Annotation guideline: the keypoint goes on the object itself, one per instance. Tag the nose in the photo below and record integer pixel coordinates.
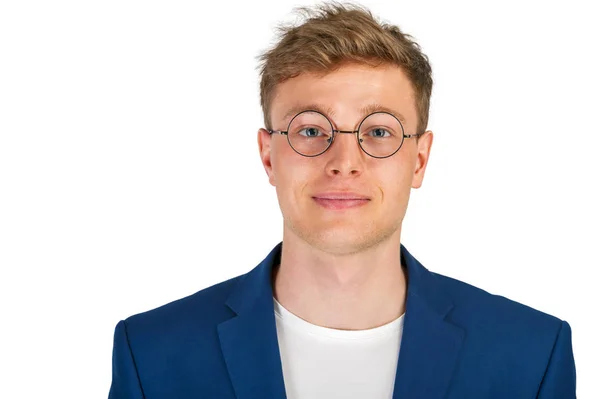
(345, 155)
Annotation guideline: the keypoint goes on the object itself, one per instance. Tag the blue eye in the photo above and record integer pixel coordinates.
(379, 132)
(310, 131)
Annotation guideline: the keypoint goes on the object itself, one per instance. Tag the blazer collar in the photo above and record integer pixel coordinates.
(428, 351)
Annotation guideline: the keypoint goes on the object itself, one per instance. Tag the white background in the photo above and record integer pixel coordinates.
(130, 175)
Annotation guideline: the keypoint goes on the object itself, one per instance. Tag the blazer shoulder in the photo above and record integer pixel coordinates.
(202, 309)
(480, 306)
(501, 332)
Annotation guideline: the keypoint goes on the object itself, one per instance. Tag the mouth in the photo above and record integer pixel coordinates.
(340, 204)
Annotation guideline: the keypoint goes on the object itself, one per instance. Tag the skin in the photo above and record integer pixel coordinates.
(341, 269)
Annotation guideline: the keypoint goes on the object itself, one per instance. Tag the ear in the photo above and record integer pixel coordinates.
(423, 151)
(264, 149)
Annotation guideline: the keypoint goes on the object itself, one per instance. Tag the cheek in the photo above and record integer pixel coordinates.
(395, 183)
(280, 162)
(292, 174)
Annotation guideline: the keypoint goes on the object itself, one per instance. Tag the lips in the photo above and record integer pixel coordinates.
(341, 195)
(339, 200)
(340, 204)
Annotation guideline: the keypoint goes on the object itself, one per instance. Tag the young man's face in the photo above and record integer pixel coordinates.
(344, 166)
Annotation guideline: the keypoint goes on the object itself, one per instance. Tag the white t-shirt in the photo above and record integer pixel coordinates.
(326, 363)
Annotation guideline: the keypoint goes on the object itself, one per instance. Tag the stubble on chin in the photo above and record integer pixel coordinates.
(340, 237)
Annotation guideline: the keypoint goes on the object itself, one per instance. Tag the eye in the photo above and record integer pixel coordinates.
(310, 131)
(380, 132)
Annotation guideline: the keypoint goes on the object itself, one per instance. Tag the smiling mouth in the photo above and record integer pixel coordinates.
(340, 204)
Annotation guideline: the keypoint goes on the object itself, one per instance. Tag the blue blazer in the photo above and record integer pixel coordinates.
(459, 342)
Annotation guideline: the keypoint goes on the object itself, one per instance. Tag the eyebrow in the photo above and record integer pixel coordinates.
(329, 112)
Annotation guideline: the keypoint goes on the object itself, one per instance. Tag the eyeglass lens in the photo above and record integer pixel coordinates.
(380, 134)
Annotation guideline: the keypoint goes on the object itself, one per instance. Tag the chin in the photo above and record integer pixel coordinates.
(338, 240)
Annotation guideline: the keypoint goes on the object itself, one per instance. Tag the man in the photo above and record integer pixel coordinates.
(339, 308)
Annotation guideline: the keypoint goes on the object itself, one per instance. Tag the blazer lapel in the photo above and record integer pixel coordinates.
(429, 348)
(430, 345)
(249, 340)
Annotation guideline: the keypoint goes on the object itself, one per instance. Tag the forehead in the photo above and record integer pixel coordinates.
(347, 92)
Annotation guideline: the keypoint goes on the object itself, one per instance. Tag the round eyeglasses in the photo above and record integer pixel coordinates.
(310, 133)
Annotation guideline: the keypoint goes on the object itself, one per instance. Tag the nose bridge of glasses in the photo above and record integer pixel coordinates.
(352, 140)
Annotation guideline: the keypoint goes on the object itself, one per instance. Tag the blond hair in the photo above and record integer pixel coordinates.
(334, 34)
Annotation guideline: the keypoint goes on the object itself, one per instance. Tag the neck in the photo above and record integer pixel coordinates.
(356, 291)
